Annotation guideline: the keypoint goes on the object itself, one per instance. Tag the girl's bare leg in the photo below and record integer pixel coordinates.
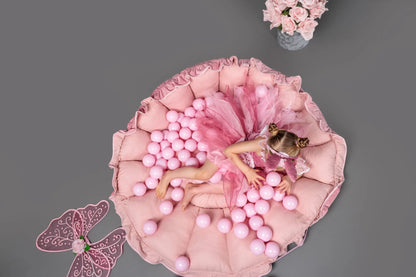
(188, 172)
(192, 189)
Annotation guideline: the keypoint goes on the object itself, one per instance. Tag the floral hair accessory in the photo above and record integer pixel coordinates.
(69, 232)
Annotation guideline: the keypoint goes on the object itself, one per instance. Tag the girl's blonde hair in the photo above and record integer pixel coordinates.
(285, 141)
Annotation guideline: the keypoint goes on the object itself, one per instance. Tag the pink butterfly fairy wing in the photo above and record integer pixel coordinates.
(61, 232)
(84, 266)
(92, 214)
(100, 258)
(110, 246)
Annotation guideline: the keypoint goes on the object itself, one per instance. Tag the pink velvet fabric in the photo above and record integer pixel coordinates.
(212, 253)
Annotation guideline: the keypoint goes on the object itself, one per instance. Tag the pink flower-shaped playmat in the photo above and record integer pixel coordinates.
(161, 232)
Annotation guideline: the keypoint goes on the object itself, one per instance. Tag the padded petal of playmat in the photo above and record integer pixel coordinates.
(212, 253)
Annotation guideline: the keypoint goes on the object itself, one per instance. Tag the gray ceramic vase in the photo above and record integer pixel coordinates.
(288, 42)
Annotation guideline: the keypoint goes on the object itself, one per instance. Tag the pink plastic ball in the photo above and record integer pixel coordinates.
(238, 215)
(190, 145)
(180, 117)
(172, 116)
(256, 222)
(202, 146)
(149, 227)
(183, 155)
(278, 196)
(273, 179)
(156, 136)
(241, 200)
(241, 230)
(139, 189)
(168, 153)
(165, 134)
(216, 178)
(166, 207)
(185, 133)
(199, 104)
(265, 233)
(176, 182)
(224, 225)
(190, 112)
(290, 202)
(185, 121)
(164, 144)
(193, 124)
(262, 206)
(151, 183)
(192, 162)
(177, 194)
(250, 209)
(156, 172)
(261, 91)
(178, 145)
(202, 157)
(148, 160)
(203, 221)
(272, 250)
(196, 136)
(158, 155)
(174, 126)
(162, 163)
(172, 135)
(182, 263)
(266, 192)
(253, 195)
(257, 246)
(173, 163)
(153, 148)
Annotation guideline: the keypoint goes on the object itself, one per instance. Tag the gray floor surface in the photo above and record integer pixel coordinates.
(73, 72)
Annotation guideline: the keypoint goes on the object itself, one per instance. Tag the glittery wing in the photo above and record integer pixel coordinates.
(111, 246)
(272, 161)
(84, 265)
(61, 232)
(290, 167)
(92, 214)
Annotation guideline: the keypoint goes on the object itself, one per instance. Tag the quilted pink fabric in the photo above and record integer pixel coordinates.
(212, 253)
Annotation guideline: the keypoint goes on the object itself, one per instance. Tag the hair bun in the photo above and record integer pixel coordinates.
(273, 129)
(302, 142)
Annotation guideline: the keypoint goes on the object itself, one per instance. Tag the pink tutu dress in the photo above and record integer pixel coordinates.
(241, 115)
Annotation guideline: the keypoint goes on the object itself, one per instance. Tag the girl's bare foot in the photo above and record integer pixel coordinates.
(162, 187)
(188, 195)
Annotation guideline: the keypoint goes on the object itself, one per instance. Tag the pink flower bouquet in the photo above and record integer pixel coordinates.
(295, 15)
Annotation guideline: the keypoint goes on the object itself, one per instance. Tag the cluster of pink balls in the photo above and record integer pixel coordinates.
(177, 146)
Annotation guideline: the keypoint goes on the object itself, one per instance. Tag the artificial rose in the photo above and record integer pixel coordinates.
(307, 27)
(298, 14)
(309, 4)
(277, 21)
(318, 10)
(288, 25)
(78, 246)
(279, 4)
(290, 3)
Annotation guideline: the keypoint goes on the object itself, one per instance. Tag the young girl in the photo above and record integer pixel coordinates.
(238, 150)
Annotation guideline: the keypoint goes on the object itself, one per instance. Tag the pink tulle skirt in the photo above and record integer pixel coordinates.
(234, 116)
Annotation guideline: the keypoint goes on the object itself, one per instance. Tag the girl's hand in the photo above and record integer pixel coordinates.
(285, 184)
(254, 178)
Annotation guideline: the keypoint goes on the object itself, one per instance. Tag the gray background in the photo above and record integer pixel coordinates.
(73, 72)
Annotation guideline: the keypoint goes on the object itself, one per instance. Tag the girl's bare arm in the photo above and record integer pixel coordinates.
(232, 152)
